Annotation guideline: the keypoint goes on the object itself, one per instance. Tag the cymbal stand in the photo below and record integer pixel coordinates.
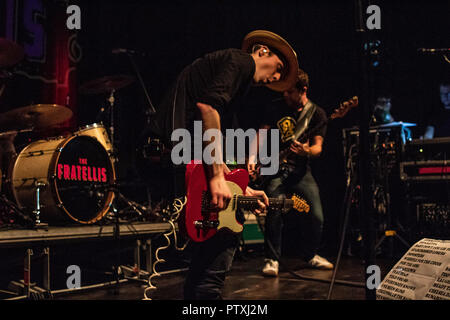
(116, 191)
(111, 101)
(24, 218)
(38, 224)
(116, 232)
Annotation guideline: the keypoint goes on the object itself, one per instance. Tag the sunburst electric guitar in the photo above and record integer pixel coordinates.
(201, 222)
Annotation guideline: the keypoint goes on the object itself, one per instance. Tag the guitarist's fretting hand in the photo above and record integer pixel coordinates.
(253, 170)
(301, 149)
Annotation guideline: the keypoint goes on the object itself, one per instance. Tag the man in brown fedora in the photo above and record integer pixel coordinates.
(204, 91)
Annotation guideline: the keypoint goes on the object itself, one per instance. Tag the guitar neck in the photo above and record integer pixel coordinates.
(251, 202)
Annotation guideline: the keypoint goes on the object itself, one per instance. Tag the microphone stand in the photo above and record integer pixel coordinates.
(151, 109)
(114, 188)
(366, 207)
(139, 209)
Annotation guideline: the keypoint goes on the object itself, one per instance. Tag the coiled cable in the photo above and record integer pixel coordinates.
(178, 206)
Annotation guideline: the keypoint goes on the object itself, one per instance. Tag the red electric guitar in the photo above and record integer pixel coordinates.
(201, 223)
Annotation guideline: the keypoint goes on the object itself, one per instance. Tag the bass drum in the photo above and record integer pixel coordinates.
(97, 131)
(75, 171)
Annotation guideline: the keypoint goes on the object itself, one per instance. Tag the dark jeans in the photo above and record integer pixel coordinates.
(210, 262)
(305, 186)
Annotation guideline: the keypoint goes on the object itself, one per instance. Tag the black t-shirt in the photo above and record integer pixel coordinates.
(284, 118)
(218, 79)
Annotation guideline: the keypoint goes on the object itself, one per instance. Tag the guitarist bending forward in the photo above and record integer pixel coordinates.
(295, 172)
(206, 90)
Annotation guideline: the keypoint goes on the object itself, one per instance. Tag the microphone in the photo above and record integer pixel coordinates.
(122, 50)
(433, 50)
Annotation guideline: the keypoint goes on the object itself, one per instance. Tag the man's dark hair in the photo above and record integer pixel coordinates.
(302, 80)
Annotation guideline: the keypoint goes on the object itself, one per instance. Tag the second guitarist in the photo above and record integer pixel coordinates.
(294, 175)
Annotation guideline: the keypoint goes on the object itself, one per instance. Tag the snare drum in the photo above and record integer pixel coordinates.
(76, 172)
(98, 131)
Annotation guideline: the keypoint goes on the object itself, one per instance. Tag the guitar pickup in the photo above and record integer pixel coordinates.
(202, 224)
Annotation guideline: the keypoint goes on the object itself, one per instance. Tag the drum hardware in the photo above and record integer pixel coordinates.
(111, 101)
(10, 212)
(153, 149)
(38, 224)
(138, 208)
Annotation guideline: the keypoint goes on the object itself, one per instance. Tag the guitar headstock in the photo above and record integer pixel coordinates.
(345, 107)
(300, 204)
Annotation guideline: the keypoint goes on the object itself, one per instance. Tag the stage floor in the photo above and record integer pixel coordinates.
(246, 282)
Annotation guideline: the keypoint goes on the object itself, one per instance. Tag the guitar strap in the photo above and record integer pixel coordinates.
(304, 119)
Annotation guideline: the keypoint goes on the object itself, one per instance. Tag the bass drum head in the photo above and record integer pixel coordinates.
(83, 172)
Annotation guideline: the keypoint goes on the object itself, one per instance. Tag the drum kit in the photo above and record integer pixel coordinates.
(64, 179)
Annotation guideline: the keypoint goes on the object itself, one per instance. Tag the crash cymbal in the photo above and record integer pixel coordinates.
(399, 123)
(37, 116)
(10, 53)
(106, 84)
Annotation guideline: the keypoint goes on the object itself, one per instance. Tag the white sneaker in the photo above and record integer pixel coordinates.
(271, 268)
(319, 262)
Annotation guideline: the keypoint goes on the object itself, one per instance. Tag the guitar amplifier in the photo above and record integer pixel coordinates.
(428, 149)
(386, 146)
(426, 160)
(432, 170)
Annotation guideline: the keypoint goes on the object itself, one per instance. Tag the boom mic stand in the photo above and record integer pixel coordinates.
(151, 111)
(347, 203)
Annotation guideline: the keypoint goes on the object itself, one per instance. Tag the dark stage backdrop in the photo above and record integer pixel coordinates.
(171, 34)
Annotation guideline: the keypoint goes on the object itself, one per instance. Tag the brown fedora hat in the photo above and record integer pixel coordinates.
(280, 47)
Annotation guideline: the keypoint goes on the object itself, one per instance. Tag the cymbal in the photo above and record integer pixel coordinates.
(10, 53)
(106, 84)
(399, 123)
(37, 116)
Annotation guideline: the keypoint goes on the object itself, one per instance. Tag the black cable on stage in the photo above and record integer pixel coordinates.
(303, 277)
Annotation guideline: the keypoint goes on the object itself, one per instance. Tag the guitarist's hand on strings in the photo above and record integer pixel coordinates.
(262, 206)
(301, 149)
(253, 171)
(220, 192)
